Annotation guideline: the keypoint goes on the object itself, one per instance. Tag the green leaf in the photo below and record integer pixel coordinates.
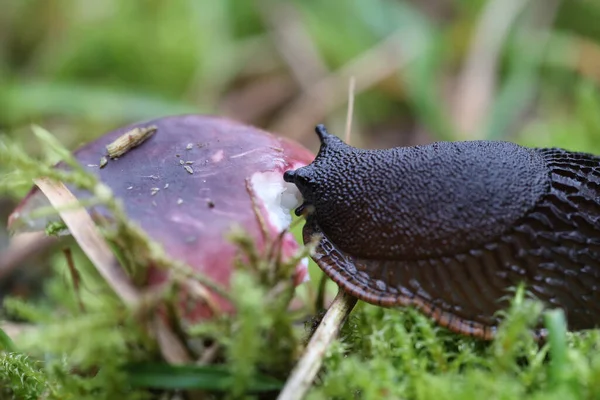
(421, 75)
(30, 100)
(212, 377)
(579, 17)
(6, 343)
(525, 53)
(557, 338)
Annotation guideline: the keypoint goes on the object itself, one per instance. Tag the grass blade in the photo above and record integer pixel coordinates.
(6, 343)
(557, 337)
(580, 18)
(211, 377)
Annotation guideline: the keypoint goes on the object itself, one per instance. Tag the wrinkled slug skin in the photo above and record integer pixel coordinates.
(450, 227)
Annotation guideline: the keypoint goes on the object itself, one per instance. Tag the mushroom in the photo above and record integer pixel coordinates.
(187, 181)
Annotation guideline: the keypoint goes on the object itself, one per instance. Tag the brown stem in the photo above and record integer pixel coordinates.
(74, 277)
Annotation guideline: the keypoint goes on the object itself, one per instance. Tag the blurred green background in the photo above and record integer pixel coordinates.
(524, 70)
(425, 70)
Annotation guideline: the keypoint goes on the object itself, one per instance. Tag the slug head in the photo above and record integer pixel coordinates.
(418, 202)
(309, 179)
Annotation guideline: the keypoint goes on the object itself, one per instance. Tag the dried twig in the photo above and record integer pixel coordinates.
(255, 207)
(94, 245)
(293, 42)
(209, 354)
(272, 90)
(171, 348)
(90, 240)
(350, 112)
(476, 83)
(200, 291)
(307, 368)
(327, 94)
(74, 277)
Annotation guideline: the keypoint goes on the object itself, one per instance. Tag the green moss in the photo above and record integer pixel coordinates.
(55, 228)
(74, 352)
(19, 378)
(402, 354)
(83, 338)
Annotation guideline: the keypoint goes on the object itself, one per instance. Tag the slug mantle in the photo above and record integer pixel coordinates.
(419, 202)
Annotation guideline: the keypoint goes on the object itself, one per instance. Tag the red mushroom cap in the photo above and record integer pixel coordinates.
(186, 186)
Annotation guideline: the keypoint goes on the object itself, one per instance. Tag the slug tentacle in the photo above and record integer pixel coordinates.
(322, 133)
(397, 228)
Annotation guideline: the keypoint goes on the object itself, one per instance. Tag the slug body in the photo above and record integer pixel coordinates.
(449, 227)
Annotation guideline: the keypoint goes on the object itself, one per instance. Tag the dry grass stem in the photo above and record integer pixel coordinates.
(90, 240)
(293, 42)
(93, 244)
(302, 376)
(327, 94)
(350, 113)
(477, 81)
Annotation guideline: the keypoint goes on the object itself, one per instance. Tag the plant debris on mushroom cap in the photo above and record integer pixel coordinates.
(191, 212)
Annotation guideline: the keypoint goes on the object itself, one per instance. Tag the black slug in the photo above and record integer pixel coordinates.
(450, 226)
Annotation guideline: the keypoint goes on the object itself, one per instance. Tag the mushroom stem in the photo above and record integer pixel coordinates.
(307, 368)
